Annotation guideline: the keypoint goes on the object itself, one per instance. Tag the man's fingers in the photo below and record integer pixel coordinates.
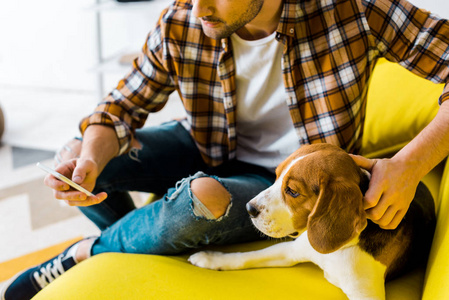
(372, 197)
(382, 213)
(82, 203)
(78, 176)
(80, 172)
(363, 162)
(55, 183)
(396, 220)
(390, 220)
(71, 195)
(85, 201)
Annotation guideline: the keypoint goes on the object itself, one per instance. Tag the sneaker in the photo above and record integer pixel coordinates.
(28, 283)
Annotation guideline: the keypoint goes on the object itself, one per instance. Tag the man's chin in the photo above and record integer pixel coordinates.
(215, 33)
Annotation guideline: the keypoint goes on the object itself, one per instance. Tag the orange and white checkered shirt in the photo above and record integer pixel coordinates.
(330, 49)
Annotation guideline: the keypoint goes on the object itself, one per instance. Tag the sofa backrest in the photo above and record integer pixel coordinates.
(400, 104)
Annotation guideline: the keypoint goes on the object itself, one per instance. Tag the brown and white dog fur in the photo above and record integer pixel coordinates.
(317, 199)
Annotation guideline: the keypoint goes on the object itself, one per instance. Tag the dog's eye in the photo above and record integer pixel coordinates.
(291, 192)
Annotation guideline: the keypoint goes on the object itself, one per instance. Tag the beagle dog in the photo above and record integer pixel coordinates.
(317, 200)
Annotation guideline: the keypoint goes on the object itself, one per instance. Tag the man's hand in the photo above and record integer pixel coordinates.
(83, 162)
(81, 171)
(391, 190)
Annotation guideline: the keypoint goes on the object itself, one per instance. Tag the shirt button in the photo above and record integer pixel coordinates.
(292, 30)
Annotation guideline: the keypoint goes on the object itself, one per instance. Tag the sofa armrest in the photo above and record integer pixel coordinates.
(437, 274)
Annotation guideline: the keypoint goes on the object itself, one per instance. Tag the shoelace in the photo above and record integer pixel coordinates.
(49, 272)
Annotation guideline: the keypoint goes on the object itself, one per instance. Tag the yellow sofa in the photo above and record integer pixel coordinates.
(400, 104)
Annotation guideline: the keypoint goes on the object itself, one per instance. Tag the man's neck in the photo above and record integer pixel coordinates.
(265, 23)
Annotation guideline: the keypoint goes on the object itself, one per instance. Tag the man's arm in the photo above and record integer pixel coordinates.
(418, 40)
(99, 146)
(394, 181)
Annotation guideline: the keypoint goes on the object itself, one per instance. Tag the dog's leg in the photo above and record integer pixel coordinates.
(274, 256)
(357, 273)
(351, 269)
(280, 255)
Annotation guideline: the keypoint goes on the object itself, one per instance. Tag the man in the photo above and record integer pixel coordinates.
(258, 79)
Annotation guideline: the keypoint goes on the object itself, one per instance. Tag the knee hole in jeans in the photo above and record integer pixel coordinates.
(212, 194)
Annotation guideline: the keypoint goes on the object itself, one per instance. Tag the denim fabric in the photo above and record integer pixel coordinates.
(166, 164)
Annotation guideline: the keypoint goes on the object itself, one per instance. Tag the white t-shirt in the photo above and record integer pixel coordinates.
(265, 131)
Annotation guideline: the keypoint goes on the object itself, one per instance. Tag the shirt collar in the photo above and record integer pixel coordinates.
(289, 18)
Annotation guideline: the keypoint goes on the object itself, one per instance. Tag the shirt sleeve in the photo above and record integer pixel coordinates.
(445, 95)
(416, 39)
(145, 89)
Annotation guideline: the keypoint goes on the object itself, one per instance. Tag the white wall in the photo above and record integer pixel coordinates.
(51, 43)
(125, 31)
(439, 7)
(46, 43)
(47, 53)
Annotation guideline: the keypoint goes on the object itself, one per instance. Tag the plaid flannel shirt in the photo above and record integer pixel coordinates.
(330, 49)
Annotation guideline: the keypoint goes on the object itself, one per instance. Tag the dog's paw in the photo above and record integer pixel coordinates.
(209, 260)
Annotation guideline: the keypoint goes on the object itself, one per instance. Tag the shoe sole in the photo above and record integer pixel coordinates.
(8, 283)
(11, 280)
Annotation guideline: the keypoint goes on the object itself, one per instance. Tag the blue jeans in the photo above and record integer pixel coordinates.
(168, 161)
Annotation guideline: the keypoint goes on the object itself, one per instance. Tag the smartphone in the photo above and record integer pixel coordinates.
(64, 179)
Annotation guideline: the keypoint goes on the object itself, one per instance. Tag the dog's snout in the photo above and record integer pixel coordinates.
(252, 210)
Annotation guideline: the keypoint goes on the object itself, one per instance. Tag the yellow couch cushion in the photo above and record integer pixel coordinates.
(400, 104)
(115, 276)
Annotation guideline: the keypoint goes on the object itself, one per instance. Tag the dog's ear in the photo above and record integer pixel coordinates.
(337, 216)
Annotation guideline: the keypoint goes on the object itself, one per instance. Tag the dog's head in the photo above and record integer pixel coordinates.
(316, 189)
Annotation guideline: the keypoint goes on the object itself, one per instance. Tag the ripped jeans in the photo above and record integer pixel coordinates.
(168, 161)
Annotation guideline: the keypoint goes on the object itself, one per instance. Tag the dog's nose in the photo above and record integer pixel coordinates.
(252, 210)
